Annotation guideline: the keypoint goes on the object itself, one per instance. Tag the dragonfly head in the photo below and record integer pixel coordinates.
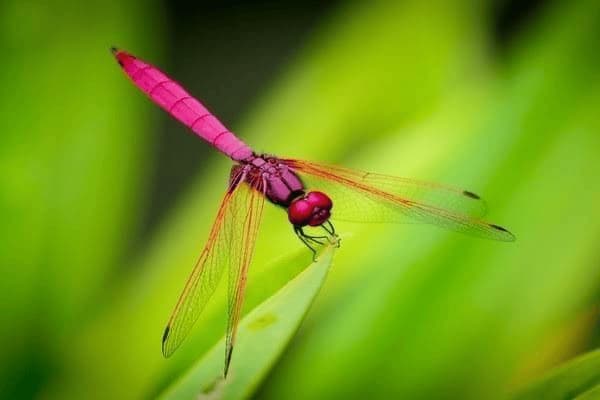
(313, 209)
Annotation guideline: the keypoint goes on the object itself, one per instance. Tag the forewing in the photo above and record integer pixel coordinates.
(366, 197)
(230, 238)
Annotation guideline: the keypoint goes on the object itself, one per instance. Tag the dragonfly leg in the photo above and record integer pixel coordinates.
(305, 239)
(316, 239)
(330, 229)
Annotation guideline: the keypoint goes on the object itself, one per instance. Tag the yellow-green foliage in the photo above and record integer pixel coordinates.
(410, 88)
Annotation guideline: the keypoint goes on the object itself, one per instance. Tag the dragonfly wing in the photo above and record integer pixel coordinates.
(229, 245)
(249, 213)
(366, 197)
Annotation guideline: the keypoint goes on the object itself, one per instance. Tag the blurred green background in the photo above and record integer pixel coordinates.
(105, 202)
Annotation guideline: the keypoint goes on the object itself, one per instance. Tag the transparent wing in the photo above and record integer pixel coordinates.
(230, 244)
(366, 197)
(248, 217)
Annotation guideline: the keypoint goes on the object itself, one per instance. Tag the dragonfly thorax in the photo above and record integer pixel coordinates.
(282, 185)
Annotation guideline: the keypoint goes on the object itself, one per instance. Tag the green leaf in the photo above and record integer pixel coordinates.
(405, 88)
(262, 336)
(578, 378)
(592, 394)
(341, 90)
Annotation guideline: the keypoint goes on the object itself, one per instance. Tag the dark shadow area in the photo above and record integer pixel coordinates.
(226, 54)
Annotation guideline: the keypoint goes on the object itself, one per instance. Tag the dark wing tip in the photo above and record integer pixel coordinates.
(228, 353)
(164, 340)
(508, 237)
(471, 195)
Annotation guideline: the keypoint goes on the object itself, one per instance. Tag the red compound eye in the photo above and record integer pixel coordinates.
(313, 209)
(319, 199)
(300, 212)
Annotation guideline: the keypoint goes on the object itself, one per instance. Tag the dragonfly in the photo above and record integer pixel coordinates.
(306, 190)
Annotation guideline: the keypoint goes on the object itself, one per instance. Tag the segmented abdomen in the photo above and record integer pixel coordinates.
(176, 101)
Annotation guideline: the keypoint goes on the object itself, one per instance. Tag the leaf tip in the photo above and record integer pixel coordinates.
(165, 336)
(228, 353)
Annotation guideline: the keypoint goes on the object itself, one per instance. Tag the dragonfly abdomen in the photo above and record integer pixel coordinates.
(171, 97)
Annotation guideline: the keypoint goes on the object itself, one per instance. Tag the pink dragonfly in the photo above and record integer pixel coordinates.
(359, 196)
